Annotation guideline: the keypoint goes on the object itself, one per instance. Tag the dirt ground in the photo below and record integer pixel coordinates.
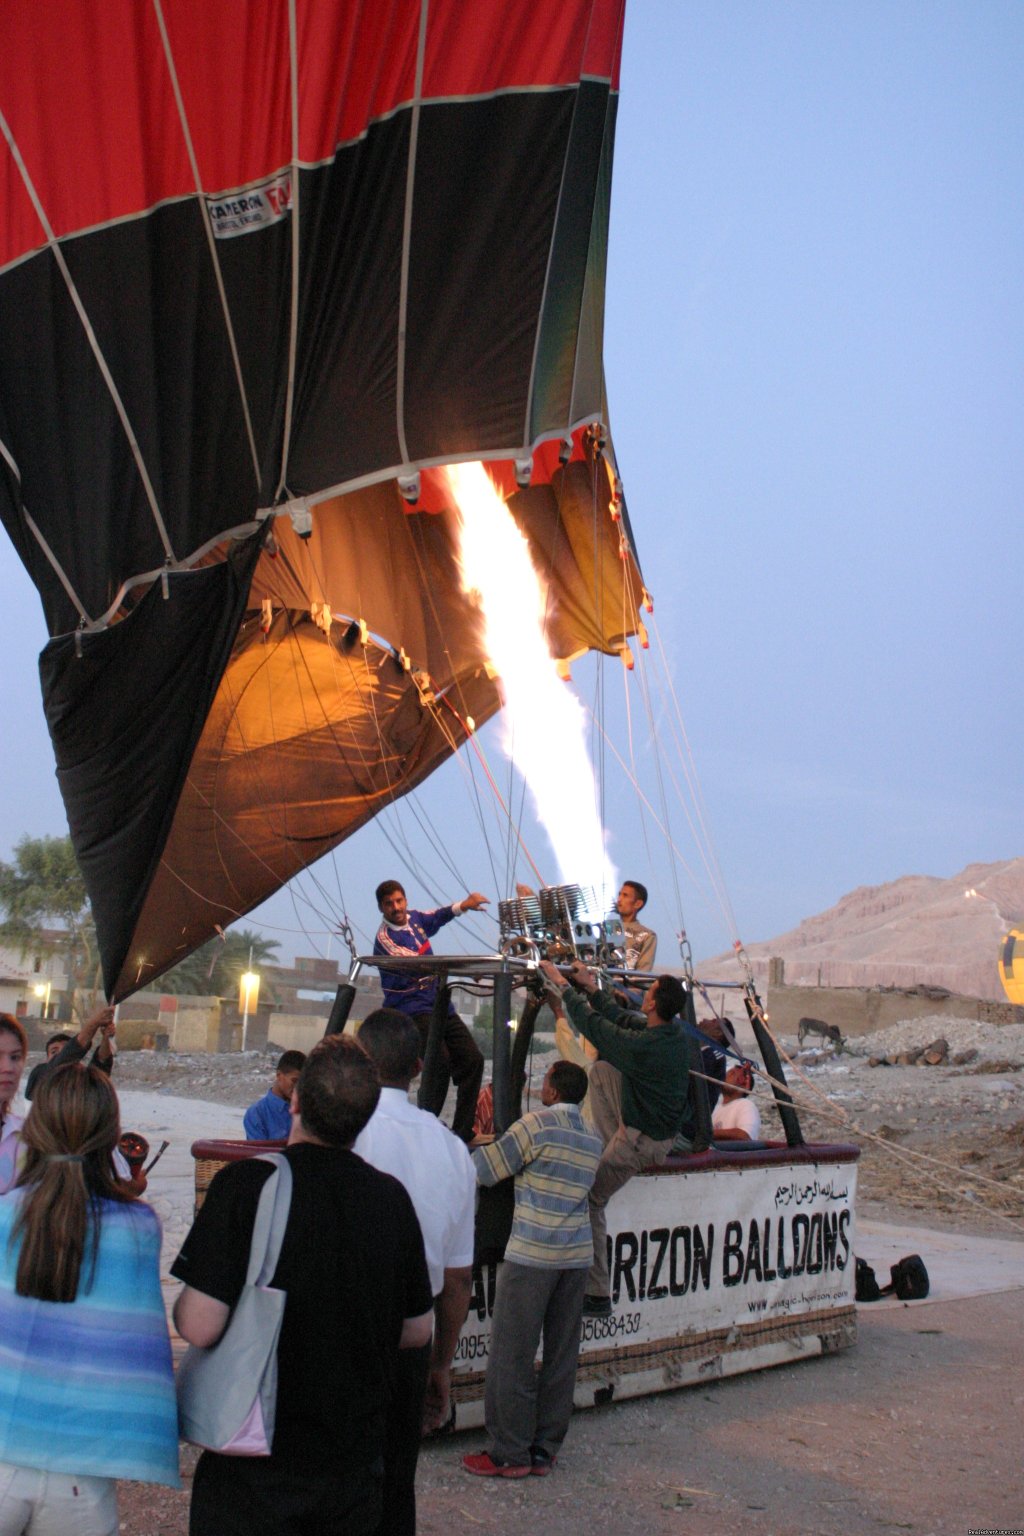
(915, 1429)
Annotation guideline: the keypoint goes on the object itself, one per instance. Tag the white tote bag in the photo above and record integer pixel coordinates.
(227, 1394)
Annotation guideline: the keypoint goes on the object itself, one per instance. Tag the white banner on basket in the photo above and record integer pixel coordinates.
(696, 1252)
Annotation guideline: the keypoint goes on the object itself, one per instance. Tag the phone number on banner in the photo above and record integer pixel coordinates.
(620, 1326)
(472, 1346)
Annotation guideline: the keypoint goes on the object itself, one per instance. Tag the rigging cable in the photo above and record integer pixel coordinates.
(665, 831)
(693, 780)
(465, 763)
(422, 819)
(627, 599)
(368, 694)
(830, 1110)
(472, 738)
(634, 605)
(427, 586)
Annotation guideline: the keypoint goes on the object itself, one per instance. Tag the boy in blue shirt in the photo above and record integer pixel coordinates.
(269, 1119)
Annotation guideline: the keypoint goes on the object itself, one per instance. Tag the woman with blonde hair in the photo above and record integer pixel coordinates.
(13, 1051)
(86, 1384)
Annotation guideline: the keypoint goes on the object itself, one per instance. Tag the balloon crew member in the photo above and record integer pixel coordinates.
(641, 941)
(554, 1156)
(63, 1050)
(736, 1117)
(269, 1119)
(638, 1092)
(403, 933)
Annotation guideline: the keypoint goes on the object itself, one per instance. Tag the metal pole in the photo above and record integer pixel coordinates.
(245, 1010)
(340, 1009)
(501, 1065)
(783, 1099)
(520, 1052)
(699, 1103)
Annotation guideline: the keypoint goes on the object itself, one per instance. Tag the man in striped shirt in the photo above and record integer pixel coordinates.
(553, 1156)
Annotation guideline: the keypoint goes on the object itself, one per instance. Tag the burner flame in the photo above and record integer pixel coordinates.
(544, 727)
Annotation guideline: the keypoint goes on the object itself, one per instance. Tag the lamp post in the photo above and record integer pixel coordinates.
(42, 992)
(248, 996)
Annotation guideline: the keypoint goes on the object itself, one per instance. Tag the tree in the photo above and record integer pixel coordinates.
(216, 967)
(46, 908)
(46, 911)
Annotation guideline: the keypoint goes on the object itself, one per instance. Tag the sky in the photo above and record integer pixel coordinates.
(814, 346)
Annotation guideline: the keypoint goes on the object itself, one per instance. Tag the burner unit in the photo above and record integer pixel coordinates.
(562, 923)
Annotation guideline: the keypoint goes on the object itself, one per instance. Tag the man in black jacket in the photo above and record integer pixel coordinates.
(353, 1267)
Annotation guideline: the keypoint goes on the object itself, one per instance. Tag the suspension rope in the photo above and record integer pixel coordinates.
(662, 828)
(293, 321)
(405, 852)
(703, 840)
(497, 792)
(592, 438)
(697, 821)
(628, 704)
(208, 228)
(465, 763)
(410, 184)
(817, 1102)
(265, 796)
(696, 791)
(90, 335)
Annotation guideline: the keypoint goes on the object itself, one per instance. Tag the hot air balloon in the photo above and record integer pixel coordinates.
(267, 267)
(1011, 965)
(263, 269)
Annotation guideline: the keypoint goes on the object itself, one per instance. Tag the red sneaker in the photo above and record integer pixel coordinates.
(483, 1465)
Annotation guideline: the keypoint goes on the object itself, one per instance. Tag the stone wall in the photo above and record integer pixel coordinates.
(863, 1010)
(296, 1031)
(151, 1020)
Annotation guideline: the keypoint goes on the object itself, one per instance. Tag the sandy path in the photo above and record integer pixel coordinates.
(917, 1429)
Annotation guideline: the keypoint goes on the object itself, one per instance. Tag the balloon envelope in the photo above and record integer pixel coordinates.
(261, 267)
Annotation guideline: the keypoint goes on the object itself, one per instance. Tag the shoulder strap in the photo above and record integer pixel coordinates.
(271, 1220)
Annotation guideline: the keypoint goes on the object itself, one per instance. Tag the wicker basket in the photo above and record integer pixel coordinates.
(211, 1157)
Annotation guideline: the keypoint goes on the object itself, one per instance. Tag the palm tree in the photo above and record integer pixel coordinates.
(215, 968)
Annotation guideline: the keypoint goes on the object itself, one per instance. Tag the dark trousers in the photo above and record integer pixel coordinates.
(524, 1407)
(461, 1063)
(251, 1496)
(402, 1442)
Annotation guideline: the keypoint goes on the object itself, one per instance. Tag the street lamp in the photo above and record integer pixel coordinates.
(248, 997)
(42, 991)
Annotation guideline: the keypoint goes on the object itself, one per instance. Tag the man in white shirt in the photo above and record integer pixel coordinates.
(435, 1167)
(736, 1116)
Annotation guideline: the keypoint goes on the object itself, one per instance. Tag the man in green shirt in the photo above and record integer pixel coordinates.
(638, 1091)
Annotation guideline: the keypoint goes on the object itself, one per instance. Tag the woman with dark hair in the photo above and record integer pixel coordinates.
(13, 1051)
(86, 1383)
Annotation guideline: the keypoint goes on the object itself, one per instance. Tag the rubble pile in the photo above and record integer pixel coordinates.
(950, 1042)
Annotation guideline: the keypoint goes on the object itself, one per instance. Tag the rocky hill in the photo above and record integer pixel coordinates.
(918, 929)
